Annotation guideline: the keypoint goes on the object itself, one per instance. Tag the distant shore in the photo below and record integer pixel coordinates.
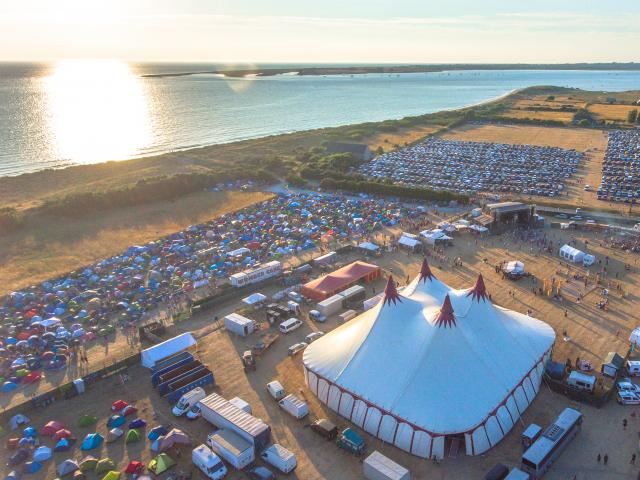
(397, 69)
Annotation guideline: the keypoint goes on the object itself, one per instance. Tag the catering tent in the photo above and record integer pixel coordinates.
(409, 242)
(369, 247)
(167, 348)
(339, 280)
(435, 236)
(161, 464)
(571, 254)
(396, 370)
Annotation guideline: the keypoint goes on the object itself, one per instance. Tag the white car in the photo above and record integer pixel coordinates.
(627, 398)
(313, 336)
(626, 385)
(295, 348)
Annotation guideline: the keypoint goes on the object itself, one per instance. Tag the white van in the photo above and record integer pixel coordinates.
(276, 389)
(188, 400)
(633, 367)
(581, 381)
(208, 462)
(290, 325)
(280, 457)
(294, 406)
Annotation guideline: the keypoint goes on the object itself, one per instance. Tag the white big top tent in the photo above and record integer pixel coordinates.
(432, 368)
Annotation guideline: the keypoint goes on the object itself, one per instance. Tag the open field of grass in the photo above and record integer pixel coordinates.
(612, 113)
(401, 138)
(557, 116)
(51, 248)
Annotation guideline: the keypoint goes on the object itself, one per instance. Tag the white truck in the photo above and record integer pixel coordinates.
(231, 447)
(188, 400)
(294, 406)
(275, 389)
(208, 462)
(281, 458)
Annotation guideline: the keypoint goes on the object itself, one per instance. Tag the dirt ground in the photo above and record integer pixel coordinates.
(389, 141)
(592, 333)
(54, 247)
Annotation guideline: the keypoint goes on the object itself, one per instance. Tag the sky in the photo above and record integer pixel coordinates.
(331, 31)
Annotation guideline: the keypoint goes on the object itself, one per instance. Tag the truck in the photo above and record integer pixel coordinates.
(281, 458)
(256, 274)
(350, 441)
(294, 406)
(264, 343)
(232, 448)
(378, 467)
(199, 378)
(208, 462)
(223, 414)
(188, 400)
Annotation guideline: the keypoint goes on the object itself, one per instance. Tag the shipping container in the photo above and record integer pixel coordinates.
(232, 448)
(326, 259)
(378, 467)
(223, 414)
(330, 306)
(238, 324)
(256, 274)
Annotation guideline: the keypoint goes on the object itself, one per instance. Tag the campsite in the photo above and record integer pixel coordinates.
(593, 333)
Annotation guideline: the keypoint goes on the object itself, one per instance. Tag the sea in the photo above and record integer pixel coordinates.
(78, 112)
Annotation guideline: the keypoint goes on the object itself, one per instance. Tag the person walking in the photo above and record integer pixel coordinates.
(599, 458)
(633, 459)
(605, 459)
(624, 423)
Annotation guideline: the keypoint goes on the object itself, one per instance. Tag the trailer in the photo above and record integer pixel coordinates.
(326, 259)
(331, 305)
(232, 448)
(354, 297)
(165, 387)
(378, 467)
(167, 363)
(177, 371)
(264, 343)
(223, 414)
(256, 274)
(199, 379)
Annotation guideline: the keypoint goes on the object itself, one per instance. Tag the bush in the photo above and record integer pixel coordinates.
(632, 116)
(10, 220)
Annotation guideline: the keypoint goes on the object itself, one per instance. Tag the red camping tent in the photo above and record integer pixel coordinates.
(51, 428)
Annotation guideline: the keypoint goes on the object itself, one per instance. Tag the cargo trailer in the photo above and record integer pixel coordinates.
(232, 448)
(378, 467)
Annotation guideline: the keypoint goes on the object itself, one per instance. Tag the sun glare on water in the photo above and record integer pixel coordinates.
(98, 111)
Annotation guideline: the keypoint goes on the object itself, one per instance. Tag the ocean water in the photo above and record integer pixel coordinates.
(81, 112)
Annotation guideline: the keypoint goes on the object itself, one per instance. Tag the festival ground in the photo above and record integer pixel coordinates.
(592, 333)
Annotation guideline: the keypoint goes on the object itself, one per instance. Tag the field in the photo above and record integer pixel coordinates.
(389, 141)
(613, 113)
(592, 334)
(52, 247)
(538, 115)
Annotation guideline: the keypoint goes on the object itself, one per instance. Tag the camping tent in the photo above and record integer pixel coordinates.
(118, 405)
(174, 437)
(67, 467)
(30, 432)
(105, 465)
(42, 454)
(91, 441)
(88, 463)
(161, 463)
(18, 420)
(63, 444)
(132, 436)
(78, 475)
(128, 410)
(114, 434)
(138, 423)
(112, 475)
(254, 299)
(31, 467)
(165, 349)
(116, 421)
(87, 420)
(12, 475)
(62, 433)
(134, 468)
(157, 432)
(409, 401)
(50, 429)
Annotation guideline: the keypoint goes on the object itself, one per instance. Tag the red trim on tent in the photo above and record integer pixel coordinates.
(425, 272)
(390, 292)
(479, 291)
(446, 317)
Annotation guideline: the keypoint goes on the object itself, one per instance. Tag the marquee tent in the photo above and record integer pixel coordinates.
(165, 349)
(339, 280)
(432, 367)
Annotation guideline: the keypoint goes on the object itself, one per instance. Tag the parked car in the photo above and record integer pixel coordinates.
(627, 398)
(195, 412)
(296, 347)
(261, 473)
(325, 428)
(313, 336)
(275, 389)
(350, 441)
(316, 316)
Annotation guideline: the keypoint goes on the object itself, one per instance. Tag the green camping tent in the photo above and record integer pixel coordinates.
(112, 475)
(161, 463)
(132, 436)
(88, 463)
(87, 420)
(105, 465)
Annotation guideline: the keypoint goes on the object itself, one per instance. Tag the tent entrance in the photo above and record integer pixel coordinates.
(454, 445)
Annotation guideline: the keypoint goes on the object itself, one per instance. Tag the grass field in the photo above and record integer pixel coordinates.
(558, 116)
(45, 250)
(400, 138)
(615, 113)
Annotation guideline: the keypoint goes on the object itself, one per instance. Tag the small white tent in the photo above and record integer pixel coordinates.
(152, 355)
(254, 299)
(409, 242)
(571, 254)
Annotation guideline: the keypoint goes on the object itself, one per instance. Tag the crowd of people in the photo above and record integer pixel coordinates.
(470, 167)
(118, 291)
(621, 168)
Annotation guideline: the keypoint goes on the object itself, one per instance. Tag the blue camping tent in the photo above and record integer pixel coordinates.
(137, 423)
(91, 441)
(156, 432)
(116, 421)
(63, 445)
(31, 467)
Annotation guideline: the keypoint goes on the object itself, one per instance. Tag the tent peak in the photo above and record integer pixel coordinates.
(390, 292)
(425, 271)
(479, 290)
(446, 317)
